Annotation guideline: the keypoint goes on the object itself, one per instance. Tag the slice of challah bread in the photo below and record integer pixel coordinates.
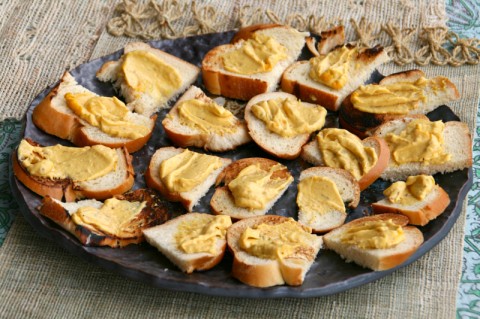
(311, 154)
(188, 199)
(376, 259)
(275, 144)
(419, 213)
(53, 116)
(439, 92)
(184, 135)
(116, 182)
(163, 238)
(348, 189)
(296, 79)
(260, 272)
(155, 212)
(219, 81)
(457, 142)
(223, 202)
(327, 40)
(143, 102)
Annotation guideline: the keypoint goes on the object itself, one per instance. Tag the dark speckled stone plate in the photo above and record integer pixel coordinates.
(329, 273)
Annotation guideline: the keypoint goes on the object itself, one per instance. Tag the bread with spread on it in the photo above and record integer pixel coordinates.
(260, 272)
(348, 189)
(219, 81)
(155, 212)
(113, 183)
(273, 143)
(183, 135)
(162, 237)
(53, 116)
(296, 79)
(223, 202)
(189, 198)
(376, 259)
(457, 142)
(140, 101)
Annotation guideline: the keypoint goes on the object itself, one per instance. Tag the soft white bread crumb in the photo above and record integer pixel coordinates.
(348, 189)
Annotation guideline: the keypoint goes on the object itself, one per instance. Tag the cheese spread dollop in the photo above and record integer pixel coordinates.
(207, 117)
(333, 69)
(256, 55)
(144, 72)
(76, 163)
(254, 187)
(378, 234)
(318, 195)
(342, 149)
(396, 98)
(112, 218)
(277, 241)
(185, 171)
(109, 114)
(201, 234)
(415, 189)
(421, 141)
(289, 117)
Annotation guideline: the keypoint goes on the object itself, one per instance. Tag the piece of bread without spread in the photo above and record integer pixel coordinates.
(311, 154)
(155, 212)
(219, 81)
(188, 199)
(457, 142)
(296, 79)
(143, 102)
(163, 238)
(260, 272)
(376, 259)
(362, 123)
(116, 182)
(223, 202)
(327, 40)
(183, 135)
(348, 189)
(275, 144)
(419, 213)
(53, 116)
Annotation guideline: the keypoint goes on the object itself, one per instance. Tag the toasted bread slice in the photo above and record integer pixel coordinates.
(53, 116)
(187, 199)
(275, 144)
(219, 81)
(440, 92)
(348, 189)
(116, 182)
(223, 202)
(311, 154)
(420, 213)
(328, 40)
(155, 212)
(260, 272)
(376, 259)
(296, 79)
(163, 238)
(184, 136)
(458, 143)
(143, 102)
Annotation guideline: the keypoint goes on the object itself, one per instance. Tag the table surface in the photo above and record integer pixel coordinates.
(463, 19)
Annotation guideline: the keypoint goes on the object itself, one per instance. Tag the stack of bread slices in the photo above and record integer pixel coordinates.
(276, 160)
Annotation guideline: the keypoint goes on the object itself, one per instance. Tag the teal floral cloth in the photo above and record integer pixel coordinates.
(464, 19)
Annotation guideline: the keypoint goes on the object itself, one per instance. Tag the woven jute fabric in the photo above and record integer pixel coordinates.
(40, 280)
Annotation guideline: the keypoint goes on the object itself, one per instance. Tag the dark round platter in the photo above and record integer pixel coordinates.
(328, 275)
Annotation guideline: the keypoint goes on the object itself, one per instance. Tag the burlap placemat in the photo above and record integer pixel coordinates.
(38, 279)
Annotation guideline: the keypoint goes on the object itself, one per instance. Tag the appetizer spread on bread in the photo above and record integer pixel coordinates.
(300, 152)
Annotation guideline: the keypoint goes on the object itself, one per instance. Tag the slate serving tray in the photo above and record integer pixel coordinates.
(328, 275)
